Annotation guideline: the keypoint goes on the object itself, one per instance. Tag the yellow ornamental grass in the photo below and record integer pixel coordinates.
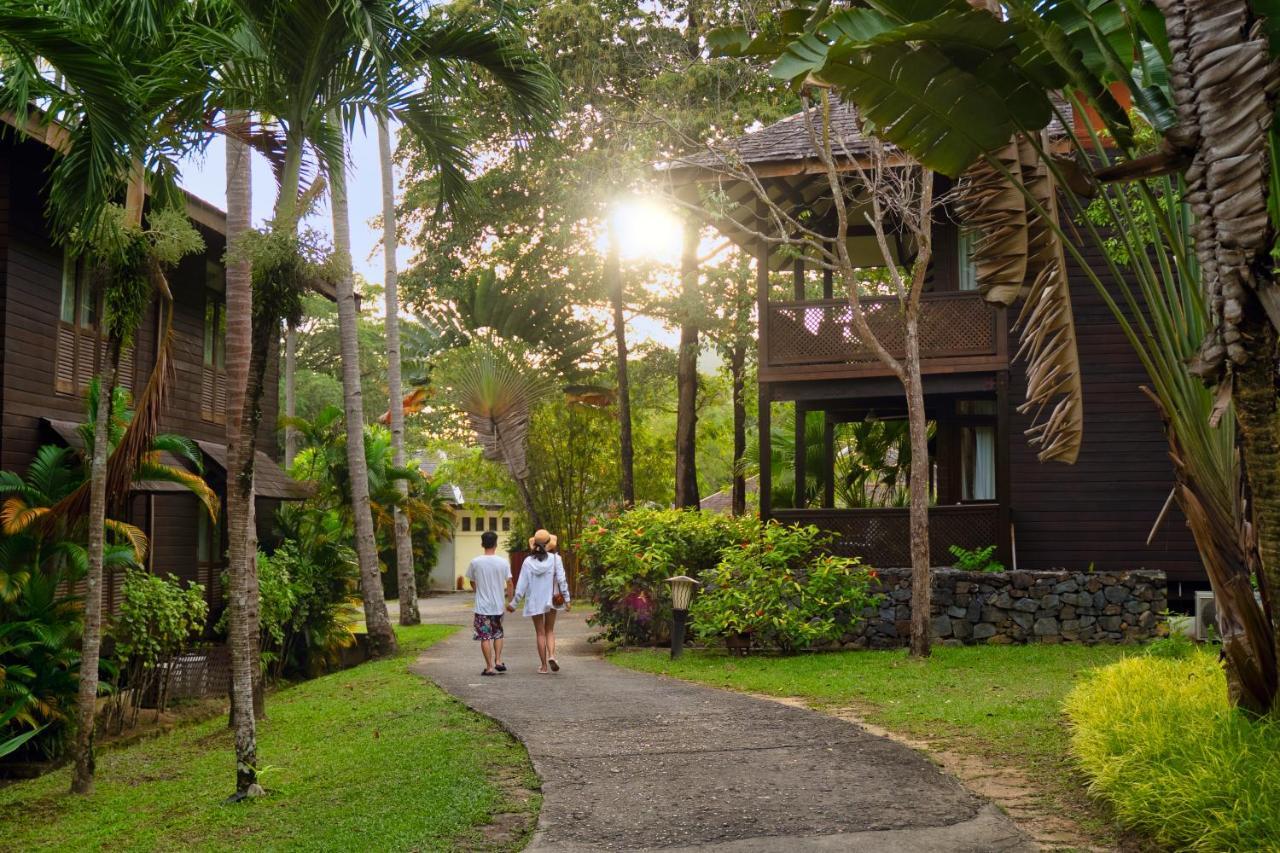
(1162, 746)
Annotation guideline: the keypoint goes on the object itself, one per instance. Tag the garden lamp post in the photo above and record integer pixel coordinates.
(681, 591)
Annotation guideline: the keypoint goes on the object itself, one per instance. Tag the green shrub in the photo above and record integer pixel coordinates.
(976, 560)
(629, 557)
(306, 615)
(156, 622)
(785, 593)
(1163, 747)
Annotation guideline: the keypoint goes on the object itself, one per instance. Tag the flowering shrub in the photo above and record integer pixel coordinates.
(783, 591)
(628, 559)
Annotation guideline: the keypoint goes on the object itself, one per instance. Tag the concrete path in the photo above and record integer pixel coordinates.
(630, 761)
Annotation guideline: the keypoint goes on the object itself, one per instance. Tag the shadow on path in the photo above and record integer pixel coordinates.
(630, 761)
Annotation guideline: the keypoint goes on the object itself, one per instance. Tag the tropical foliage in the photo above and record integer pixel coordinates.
(780, 590)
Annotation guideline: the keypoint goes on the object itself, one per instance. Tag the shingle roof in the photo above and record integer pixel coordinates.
(788, 140)
(722, 501)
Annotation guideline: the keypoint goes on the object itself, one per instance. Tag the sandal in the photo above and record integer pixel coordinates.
(555, 667)
(502, 667)
(544, 672)
(488, 672)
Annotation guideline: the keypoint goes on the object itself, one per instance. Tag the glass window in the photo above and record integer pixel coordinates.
(215, 330)
(968, 270)
(479, 523)
(978, 463)
(493, 523)
(506, 524)
(466, 524)
(68, 310)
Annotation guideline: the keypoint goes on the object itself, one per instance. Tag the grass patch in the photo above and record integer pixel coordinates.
(372, 758)
(1001, 701)
(1174, 760)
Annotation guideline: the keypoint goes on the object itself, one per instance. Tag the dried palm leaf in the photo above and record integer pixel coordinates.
(1224, 79)
(997, 212)
(1048, 327)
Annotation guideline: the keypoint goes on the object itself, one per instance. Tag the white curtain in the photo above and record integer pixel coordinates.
(984, 464)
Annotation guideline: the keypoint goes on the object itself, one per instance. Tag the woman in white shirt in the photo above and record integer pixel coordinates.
(544, 590)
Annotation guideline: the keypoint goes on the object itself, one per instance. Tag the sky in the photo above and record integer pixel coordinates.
(206, 177)
(646, 230)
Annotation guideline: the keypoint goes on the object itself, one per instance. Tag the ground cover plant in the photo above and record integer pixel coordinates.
(369, 758)
(1163, 747)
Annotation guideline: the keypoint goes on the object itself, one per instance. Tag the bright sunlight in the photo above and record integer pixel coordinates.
(647, 230)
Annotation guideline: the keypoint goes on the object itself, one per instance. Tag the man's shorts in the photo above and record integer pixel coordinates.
(487, 627)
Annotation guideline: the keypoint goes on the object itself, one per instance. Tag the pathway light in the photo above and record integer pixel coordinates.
(681, 592)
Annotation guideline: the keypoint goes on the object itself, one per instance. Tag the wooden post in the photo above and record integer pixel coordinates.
(1004, 515)
(797, 271)
(765, 443)
(801, 452)
(828, 461)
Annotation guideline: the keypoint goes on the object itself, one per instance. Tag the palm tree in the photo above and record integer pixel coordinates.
(406, 583)
(497, 397)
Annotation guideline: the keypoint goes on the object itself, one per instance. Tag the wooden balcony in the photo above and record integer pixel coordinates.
(882, 537)
(816, 339)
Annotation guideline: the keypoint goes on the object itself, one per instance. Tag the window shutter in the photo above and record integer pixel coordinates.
(65, 368)
(208, 379)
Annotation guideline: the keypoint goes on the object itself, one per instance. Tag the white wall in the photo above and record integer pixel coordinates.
(466, 542)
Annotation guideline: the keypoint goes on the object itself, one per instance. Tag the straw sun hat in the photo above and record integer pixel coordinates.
(548, 539)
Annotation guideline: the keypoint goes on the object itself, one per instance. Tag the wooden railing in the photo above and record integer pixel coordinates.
(817, 338)
(882, 537)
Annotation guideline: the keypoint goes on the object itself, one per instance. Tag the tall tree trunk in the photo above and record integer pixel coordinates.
(242, 627)
(737, 374)
(687, 373)
(290, 392)
(918, 428)
(91, 641)
(382, 639)
(407, 583)
(1258, 422)
(626, 448)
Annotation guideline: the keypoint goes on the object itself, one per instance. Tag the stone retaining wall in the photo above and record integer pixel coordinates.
(1019, 607)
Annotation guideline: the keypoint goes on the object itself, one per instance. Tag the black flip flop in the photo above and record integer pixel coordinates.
(488, 672)
(555, 667)
(502, 667)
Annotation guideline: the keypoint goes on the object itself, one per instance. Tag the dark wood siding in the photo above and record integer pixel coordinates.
(1100, 510)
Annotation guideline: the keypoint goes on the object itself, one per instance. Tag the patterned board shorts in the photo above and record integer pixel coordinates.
(487, 627)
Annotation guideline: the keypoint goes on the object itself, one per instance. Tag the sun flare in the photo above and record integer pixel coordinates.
(647, 230)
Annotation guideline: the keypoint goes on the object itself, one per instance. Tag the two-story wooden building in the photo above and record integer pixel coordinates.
(51, 348)
(988, 486)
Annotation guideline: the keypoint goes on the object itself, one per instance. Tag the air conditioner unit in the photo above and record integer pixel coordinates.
(1206, 615)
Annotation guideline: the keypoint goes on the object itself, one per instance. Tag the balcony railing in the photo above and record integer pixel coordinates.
(882, 537)
(958, 331)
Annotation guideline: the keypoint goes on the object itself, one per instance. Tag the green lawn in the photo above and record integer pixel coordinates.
(1003, 702)
(372, 758)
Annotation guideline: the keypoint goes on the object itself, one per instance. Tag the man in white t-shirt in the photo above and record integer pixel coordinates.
(490, 577)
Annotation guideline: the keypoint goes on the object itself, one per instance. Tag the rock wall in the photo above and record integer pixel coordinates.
(1019, 607)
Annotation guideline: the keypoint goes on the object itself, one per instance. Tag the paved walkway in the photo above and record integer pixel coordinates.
(630, 761)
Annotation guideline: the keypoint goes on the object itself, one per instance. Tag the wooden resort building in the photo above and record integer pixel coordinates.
(50, 348)
(989, 487)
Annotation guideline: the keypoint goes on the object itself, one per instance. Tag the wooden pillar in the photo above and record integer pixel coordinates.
(765, 395)
(828, 461)
(801, 452)
(1004, 540)
(797, 272)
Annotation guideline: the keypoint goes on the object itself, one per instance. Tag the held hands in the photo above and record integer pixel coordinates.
(511, 608)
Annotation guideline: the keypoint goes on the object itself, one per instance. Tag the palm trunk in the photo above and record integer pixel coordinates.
(241, 403)
(382, 640)
(290, 393)
(1258, 423)
(407, 582)
(921, 585)
(687, 375)
(626, 448)
(737, 373)
(91, 642)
